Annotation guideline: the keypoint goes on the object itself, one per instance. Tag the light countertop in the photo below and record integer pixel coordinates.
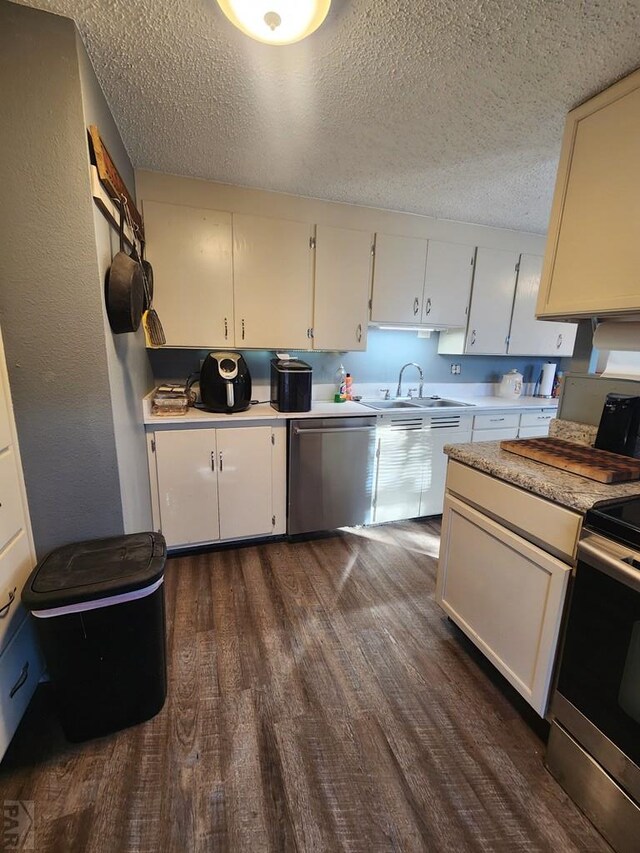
(264, 411)
(561, 487)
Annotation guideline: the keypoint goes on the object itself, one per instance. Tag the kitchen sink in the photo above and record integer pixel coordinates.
(417, 403)
(437, 403)
(393, 404)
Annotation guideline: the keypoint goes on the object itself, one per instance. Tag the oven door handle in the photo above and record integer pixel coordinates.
(613, 566)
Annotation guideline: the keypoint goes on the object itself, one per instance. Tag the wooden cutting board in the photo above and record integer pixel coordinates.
(579, 459)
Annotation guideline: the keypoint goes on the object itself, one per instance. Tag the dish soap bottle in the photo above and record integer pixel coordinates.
(348, 386)
(341, 384)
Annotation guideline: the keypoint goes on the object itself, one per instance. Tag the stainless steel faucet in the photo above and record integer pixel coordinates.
(402, 369)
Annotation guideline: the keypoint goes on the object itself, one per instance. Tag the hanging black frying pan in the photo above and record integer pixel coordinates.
(124, 288)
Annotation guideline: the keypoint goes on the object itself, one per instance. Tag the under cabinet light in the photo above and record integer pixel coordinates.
(276, 21)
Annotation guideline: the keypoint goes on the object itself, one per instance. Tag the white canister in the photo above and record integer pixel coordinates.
(511, 384)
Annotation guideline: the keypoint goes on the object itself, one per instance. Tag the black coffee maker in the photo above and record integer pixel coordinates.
(225, 383)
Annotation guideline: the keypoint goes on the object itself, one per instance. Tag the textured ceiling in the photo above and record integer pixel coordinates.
(452, 108)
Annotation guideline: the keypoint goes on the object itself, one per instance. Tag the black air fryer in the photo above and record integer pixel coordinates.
(290, 385)
(225, 383)
(619, 430)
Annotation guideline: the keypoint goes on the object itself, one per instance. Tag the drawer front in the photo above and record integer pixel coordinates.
(553, 528)
(531, 419)
(533, 431)
(494, 434)
(20, 670)
(497, 421)
(15, 564)
(11, 515)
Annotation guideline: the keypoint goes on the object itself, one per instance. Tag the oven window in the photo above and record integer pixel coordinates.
(600, 669)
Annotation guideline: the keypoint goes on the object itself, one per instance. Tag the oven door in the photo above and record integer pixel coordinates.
(598, 691)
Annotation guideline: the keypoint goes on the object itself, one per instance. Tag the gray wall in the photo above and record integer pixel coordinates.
(51, 291)
(129, 370)
(386, 352)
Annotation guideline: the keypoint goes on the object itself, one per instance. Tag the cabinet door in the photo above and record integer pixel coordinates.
(186, 464)
(447, 284)
(494, 283)
(435, 471)
(398, 279)
(190, 250)
(593, 251)
(244, 481)
(529, 336)
(342, 284)
(272, 278)
(401, 459)
(505, 594)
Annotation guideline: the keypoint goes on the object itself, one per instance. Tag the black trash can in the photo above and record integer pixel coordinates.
(99, 611)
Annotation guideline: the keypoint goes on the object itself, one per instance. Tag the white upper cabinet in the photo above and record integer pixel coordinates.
(273, 269)
(421, 282)
(447, 284)
(491, 302)
(342, 285)
(529, 336)
(398, 279)
(190, 251)
(592, 260)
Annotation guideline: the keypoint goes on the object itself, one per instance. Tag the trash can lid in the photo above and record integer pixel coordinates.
(99, 568)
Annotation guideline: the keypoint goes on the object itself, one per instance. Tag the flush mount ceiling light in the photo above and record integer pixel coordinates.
(276, 21)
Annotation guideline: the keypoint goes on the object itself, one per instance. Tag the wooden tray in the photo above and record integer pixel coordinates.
(579, 459)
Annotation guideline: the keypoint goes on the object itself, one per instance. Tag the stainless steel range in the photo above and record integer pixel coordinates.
(594, 744)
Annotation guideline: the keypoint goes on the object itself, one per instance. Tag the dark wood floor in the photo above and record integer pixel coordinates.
(318, 701)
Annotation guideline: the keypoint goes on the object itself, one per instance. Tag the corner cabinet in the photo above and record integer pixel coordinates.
(190, 251)
(527, 335)
(341, 291)
(505, 591)
(421, 282)
(221, 484)
(592, 260)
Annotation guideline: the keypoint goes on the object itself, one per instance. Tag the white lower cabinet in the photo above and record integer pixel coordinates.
(506, 593)
(508, 425)
(218, 484)
(411, 464)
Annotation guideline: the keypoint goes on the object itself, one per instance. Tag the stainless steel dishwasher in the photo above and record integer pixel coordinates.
(331, 468)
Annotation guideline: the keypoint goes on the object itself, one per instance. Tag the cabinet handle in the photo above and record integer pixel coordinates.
(226, 329)
(5, 609)
(243, 328)
(496, 420)
(559, 344)
(221, 460)
(416, 306)
(213, 461)
(359, 332)
(428, 306)
(21, 680)
(473, 337)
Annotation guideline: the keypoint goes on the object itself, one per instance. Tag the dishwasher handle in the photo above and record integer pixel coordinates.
(329, 430)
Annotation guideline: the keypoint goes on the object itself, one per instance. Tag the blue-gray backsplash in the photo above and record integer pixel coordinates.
(386, 352)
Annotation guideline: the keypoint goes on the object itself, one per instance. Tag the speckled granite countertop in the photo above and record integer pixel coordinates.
(570, 490)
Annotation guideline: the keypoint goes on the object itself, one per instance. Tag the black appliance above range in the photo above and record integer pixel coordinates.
(594, 743)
